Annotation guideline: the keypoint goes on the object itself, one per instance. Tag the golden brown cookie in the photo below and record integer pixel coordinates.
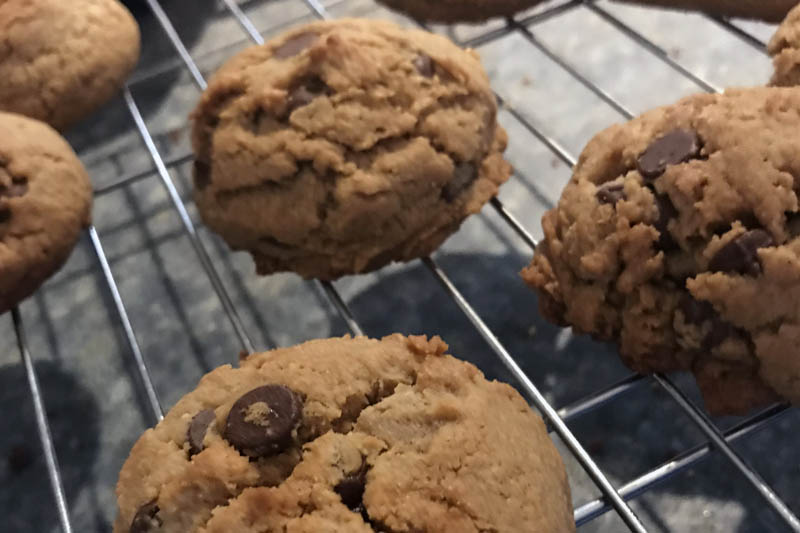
(60, 60)
(347, 435)
(459, 10)
(784, 47)
(45, 202)
(768, 10)
(342, 146)
(678, 237)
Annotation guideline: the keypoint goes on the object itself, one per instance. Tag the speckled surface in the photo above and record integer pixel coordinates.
(96, 406)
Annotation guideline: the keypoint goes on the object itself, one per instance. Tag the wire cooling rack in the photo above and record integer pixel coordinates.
(611, 497)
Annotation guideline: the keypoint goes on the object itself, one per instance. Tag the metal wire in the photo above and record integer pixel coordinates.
(42, 426)
(612, 498)
(146, 381)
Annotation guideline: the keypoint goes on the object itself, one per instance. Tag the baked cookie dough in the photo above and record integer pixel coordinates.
(60, 60)
(768, 10)
(459, 10)
(342, 146)
(347, 435)
(784, 47)
(678, 237)
(45, 200)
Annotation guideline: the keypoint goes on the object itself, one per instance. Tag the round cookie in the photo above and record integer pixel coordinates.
(678, 237)
(459, 10)
(342, 146)
(784, 47)
(61, 60)
(45, 201)
(347, 435)
(768, 10)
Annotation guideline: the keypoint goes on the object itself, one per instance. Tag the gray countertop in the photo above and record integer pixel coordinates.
(94, 400)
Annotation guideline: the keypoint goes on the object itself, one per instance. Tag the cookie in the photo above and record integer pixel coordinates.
(349, 435)
(60, 61)
(678, 237)
(342, 146)
(45, 199)
(768, 10)
(459, 10)
(784, 47)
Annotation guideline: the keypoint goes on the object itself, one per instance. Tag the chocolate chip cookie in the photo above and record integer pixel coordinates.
(784, 47)
(342, 146)
(768, 10)
(45, 199)
(459, 10)
(61, 60)
(678, 237)
(350, 435)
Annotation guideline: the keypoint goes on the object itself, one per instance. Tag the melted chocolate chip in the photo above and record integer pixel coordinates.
(741, 254)
(677, 146)
(425, 65)
(197, 430)
(351, 490)
(306, 91)
(696, 311)
(262, 421)
(295, 45)
(463, 176)
(666, 212)
(146, 519)
(610, 193)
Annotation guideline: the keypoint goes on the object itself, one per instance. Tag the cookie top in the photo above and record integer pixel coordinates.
(45, 199)
(768, 10)
(459, 10)
(678, 237)
(61, 60)
(341, 146)
(350, 435)
(784, 47)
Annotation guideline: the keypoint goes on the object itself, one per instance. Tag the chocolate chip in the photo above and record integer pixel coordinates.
(306, 91)
(146, 519)
(425, 65)
(677, 146)
(666, 212)
(720, 331)
(610, 193)
(351, 489)
(261, 422)
(202, 174)
(463, 176)
(17, 188)
(295, 45)
(197, 430)
(696, 311)
(741, 254)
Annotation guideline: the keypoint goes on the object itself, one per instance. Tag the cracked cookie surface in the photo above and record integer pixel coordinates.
(459, 10)
(392, 436)
(678, 237)
(45, 202)
(784, 47)
(768, 10)
(60, 60)
(342, 146)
